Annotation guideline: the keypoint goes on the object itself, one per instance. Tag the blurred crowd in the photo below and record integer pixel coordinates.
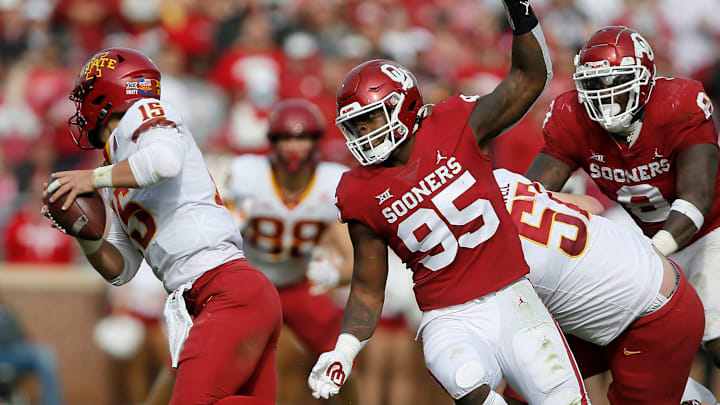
(226, 62)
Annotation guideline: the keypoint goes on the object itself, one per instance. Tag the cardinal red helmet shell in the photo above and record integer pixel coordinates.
(378, 85)
(615, 61)
(110, 82)
(295, 118)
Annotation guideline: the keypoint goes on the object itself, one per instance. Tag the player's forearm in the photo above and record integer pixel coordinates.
(548, 171)
(680, 227)
(362, 312)
(119, 175)
(107, 260)
(530, 56)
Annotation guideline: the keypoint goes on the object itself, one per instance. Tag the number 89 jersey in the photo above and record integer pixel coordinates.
(442, 212)
(280, 236)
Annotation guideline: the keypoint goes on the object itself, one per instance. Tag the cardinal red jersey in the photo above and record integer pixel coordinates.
(442, 212)
(640, 176)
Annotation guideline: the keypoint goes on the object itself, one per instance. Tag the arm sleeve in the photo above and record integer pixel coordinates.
(558, 142)
(131, 256)
(160, 155)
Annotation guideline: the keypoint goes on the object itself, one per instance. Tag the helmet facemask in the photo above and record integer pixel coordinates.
(376, 145)
(611, 94)
(79, 124)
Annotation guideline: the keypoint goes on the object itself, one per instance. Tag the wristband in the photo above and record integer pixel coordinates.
(349, 345)
(89, 246)
(689, 210)
(102, 177)
(665, 242)
(520, 16)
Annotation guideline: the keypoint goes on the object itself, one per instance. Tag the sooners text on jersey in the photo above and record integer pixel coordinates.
(442, 212)
(642, 176)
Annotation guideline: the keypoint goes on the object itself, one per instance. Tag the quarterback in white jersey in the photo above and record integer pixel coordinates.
(166, 210)
(605, 284)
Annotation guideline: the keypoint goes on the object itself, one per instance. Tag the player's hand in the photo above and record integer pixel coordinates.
(71, 182)
(45, 211)
(329, 373)
(323, 275)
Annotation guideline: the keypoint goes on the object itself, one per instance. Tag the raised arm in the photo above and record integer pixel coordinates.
(530, 72)
(551, 172)
(695, 183)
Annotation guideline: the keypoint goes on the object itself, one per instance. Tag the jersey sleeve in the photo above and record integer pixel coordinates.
(131, 256)
(343, 200)
(238, 183)
(456, 109)
(559, 141)
(147, 114)
(695, 124)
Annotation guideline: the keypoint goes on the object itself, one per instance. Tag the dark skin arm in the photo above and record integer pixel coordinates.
(512, 98)
(552, 173)
(367, 290)
(695, 183)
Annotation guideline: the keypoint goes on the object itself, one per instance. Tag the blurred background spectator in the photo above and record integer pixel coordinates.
(226, 62)
(20, 358)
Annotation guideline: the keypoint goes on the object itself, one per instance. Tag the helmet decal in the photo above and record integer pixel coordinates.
(398, 74)
(641, 47)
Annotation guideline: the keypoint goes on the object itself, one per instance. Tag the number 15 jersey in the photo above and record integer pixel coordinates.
(442, 212)
(180, 226)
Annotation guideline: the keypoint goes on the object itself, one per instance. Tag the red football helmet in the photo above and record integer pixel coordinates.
(110, 82)
(378, 85)
(615, 61)
(295, 118)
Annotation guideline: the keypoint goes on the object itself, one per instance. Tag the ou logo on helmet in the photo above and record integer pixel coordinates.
(398, 74)
(336, 373)
(642, 47)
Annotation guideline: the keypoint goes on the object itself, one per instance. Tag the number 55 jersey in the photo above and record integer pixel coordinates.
(442, 212)
(180, 226)
(576, 265)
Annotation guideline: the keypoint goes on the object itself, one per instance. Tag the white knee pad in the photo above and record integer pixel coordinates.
(494, 399)
(564, 397)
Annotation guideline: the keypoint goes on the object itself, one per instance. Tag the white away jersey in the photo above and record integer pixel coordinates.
(280, 236)
(180, 226)
(595, 276)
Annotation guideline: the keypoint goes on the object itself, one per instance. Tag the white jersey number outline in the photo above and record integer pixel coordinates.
(644, 201)
(438, 233)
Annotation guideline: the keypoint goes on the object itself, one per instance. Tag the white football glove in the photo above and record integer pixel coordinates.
(323, 275)
(333, 368)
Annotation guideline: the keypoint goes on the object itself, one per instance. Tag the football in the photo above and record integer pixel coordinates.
(85, 218)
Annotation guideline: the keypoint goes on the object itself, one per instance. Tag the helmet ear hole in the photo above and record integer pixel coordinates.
(412, 105)
(99, 99)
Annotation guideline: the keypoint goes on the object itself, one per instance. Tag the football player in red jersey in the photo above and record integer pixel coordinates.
(426, 189)
(650, 144)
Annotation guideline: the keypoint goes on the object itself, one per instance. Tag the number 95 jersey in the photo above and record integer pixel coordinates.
(442, 212)
(280, 235)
